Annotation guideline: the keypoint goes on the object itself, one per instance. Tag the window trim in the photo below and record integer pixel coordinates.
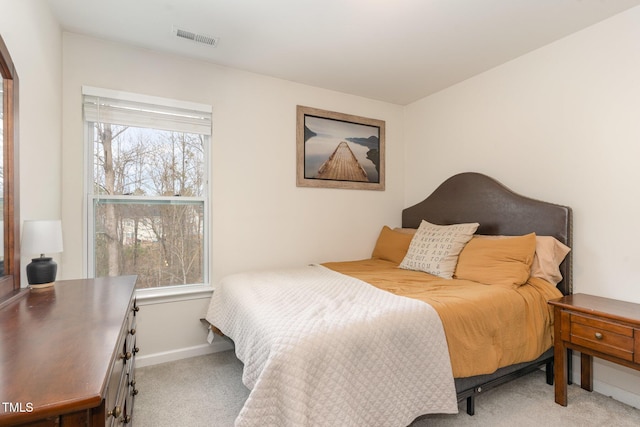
(161, 293)
(166, 294)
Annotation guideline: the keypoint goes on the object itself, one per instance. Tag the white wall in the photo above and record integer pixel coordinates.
(260, 219)
(34, 40)
(560, 124)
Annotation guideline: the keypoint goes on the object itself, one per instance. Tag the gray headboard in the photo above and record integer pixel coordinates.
(474, 197)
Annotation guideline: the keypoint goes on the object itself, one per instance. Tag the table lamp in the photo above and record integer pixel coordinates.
(40, 237)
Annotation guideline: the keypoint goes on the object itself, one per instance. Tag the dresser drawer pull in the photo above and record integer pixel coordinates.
(126, 356)
(135, 309)
(599, 336)
(115, 412)
(132, 331)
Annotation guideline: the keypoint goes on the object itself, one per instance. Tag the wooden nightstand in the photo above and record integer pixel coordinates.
(594, 326)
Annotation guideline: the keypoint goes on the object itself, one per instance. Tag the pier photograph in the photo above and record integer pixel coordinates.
(339, 150)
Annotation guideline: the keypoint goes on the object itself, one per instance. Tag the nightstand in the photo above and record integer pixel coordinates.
(594, 326)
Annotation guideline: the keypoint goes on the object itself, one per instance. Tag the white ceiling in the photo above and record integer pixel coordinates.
(391, 50)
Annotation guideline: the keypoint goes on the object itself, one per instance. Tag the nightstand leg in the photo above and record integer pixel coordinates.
(560, 373)
(586, 371)
(559, 360)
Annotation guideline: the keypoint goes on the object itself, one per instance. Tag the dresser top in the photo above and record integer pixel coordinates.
(57, 345)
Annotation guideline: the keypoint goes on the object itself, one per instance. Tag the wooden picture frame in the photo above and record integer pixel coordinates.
(336, 150)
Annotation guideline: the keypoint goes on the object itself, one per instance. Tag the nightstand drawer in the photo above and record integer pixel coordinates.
(605, 337)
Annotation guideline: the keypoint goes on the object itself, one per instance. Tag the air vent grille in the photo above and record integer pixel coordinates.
(199, 38)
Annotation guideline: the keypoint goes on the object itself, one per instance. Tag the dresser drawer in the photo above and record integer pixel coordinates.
(117, 410)
(131, 334)
(132, 391)
(614, 339)
(116, 379)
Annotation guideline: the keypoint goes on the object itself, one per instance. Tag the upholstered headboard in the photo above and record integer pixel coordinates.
(474, 197)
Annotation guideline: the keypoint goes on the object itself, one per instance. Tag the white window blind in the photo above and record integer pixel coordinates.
(122, 108)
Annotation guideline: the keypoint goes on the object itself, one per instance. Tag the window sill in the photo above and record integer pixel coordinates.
(169, 294)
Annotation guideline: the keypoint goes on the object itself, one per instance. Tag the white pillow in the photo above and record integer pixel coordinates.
(550, 252)
(434, 249)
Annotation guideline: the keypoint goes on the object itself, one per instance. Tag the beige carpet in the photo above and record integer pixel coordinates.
(207, 391)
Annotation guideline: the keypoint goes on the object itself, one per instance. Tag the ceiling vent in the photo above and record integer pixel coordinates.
(198, 38)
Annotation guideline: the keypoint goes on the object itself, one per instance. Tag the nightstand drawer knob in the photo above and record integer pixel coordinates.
(599, 336)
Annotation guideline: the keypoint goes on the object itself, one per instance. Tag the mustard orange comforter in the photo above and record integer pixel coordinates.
(486, 326)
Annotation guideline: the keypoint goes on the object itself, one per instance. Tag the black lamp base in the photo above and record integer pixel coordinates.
(41, 272)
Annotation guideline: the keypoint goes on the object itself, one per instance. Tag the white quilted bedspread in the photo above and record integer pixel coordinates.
(324, 349)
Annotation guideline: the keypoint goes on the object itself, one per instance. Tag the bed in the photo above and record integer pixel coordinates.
(331, 344)
(499, 211)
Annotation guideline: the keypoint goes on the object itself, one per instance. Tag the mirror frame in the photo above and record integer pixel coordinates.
(10, 281)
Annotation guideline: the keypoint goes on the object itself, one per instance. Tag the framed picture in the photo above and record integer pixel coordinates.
(336, 150)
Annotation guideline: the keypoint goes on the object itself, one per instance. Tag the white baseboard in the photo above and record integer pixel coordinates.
(626, 379)
(617, 393)
(182, 353)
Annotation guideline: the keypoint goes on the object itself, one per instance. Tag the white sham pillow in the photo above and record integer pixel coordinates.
(434, 249)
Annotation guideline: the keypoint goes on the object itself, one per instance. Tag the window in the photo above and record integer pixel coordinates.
(147, 197)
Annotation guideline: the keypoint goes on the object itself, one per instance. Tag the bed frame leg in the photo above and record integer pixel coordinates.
(471, 405)
(569, 366)
(549, 370)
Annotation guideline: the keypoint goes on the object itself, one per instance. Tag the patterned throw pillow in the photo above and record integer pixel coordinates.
(434, 249)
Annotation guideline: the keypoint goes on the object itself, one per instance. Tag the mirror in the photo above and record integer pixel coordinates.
(10, 229)
(1, 176)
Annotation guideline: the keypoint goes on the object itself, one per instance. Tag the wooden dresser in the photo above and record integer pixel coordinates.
(594, 326)
(67, 354)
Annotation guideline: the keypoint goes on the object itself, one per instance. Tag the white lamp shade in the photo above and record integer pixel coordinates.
(41, 237)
